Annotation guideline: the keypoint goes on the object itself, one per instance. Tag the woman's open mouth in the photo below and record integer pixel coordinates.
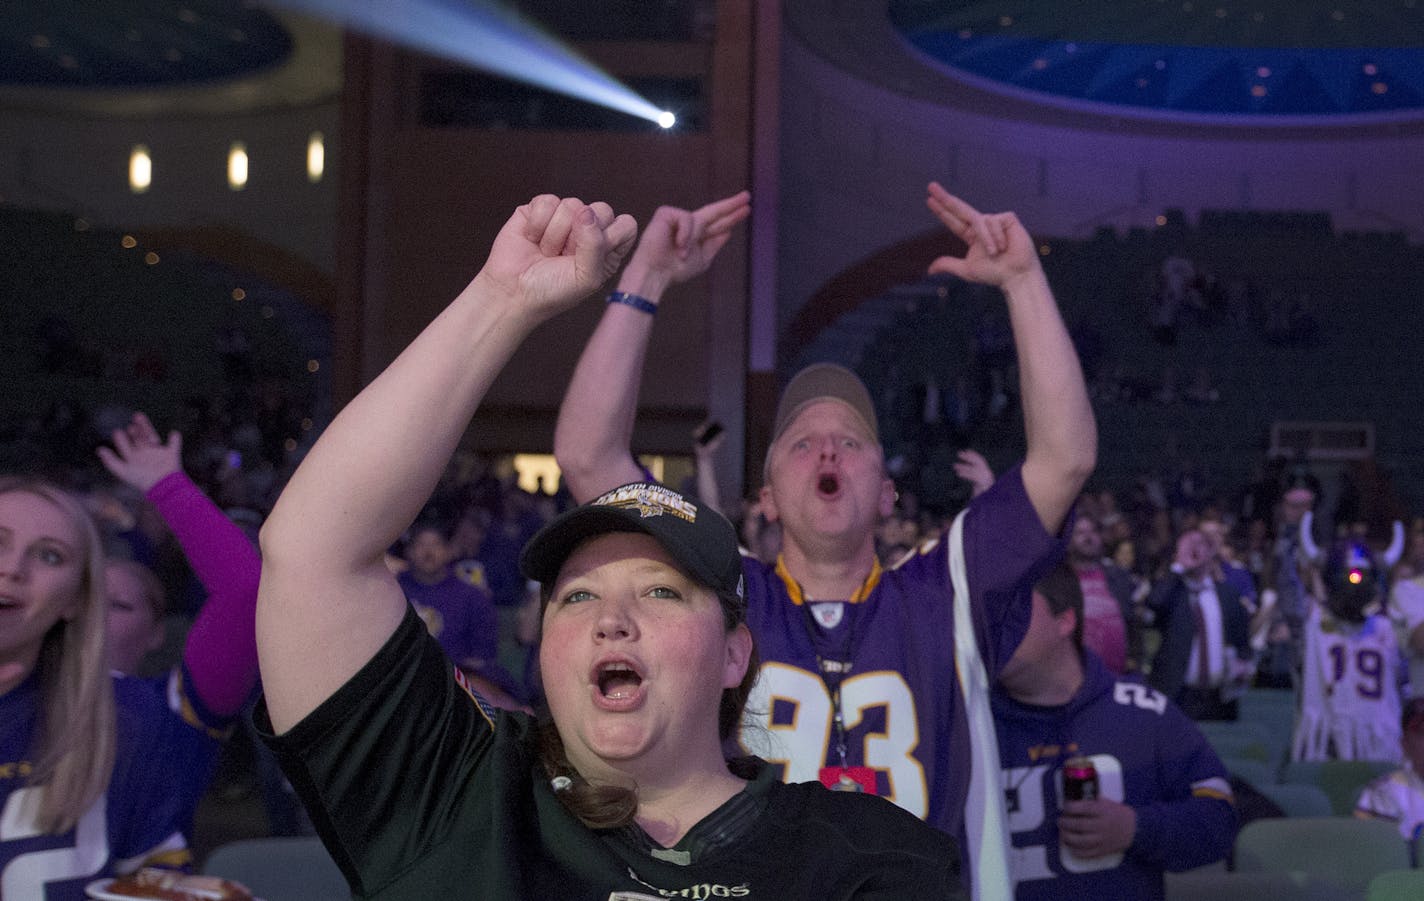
(618, 681)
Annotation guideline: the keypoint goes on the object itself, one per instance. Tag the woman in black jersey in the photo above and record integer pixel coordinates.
(422, 790)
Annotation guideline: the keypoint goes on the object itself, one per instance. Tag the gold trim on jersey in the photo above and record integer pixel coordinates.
(181, 704)
(798, 597)
(173, 859)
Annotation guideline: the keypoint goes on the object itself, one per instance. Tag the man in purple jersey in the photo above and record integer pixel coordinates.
(1162, 801)
(858, 684)
(459, 614)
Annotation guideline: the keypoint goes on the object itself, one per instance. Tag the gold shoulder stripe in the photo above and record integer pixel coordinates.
(1228, 797)
(173, 859)
(181, 704)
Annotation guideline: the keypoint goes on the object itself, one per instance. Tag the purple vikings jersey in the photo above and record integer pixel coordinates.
(899, 698)
(135, 821)
(194, 741)
(460, 615)
(1147, 754)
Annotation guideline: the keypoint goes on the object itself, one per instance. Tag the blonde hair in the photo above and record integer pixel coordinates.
(72, 750)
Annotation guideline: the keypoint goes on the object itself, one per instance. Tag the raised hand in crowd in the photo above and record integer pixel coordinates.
(206, 691)
(140, 457)
(678, 245)
(552, 252)
(1059, 426)
(1193, 557)
(595, 426)
(999, 251)
(549, 254)
(971, 466)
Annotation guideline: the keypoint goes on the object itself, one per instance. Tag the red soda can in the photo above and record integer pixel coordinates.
(1080, 779)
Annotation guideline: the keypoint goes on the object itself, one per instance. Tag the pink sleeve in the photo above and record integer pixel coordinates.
(221, 651)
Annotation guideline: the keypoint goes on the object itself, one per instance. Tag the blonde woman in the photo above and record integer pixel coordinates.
(78, 798)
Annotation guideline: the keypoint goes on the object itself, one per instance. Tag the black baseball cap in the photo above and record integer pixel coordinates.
(698, 538)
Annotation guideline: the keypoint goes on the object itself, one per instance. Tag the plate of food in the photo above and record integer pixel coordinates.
(152, 884)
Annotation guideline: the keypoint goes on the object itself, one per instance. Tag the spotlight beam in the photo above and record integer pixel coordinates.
(481, 34)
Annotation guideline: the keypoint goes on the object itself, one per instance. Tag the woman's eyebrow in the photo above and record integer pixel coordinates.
(6, 531)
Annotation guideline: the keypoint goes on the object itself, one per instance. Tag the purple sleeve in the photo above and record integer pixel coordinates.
(221, 651)
(1006, 550)
(1194, 820)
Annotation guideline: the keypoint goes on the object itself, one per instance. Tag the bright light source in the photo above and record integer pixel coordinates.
(140, 169)
(667, 119)
(489, 36)
(316, 157)
(237, 166)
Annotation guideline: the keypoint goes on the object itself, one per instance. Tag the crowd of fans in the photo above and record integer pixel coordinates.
(1169, 602)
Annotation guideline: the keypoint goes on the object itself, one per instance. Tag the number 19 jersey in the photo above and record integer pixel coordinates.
(1349, 690)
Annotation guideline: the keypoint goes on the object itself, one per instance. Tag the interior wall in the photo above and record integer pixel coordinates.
(434, 198)
(856, 157)
(79, 164)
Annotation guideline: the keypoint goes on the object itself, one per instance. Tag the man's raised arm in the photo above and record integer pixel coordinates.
(327, 602)
(1059, 427)
(593, 439)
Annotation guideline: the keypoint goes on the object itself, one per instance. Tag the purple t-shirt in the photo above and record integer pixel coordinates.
(459, 615)
(900, 701)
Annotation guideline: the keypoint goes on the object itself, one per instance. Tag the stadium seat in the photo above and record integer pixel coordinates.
(1299, 799)
(1256, 772)
(1341, 780)
(1195, 885)
(1341, 851)
(1270, 708)
(1243, 745)
(280, 869)
(1397, 885)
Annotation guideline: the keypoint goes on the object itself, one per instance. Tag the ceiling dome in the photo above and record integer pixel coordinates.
(1264, 59)
(136, 43)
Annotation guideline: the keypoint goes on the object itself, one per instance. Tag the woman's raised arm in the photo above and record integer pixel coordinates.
(327, 602)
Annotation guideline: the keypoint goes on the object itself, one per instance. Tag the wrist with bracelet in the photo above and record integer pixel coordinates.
(636, 301)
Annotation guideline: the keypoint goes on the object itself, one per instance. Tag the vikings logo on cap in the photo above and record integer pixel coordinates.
(649, 500)
(702, 542)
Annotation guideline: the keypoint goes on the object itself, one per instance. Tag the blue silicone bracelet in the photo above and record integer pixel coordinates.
(634, 301)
